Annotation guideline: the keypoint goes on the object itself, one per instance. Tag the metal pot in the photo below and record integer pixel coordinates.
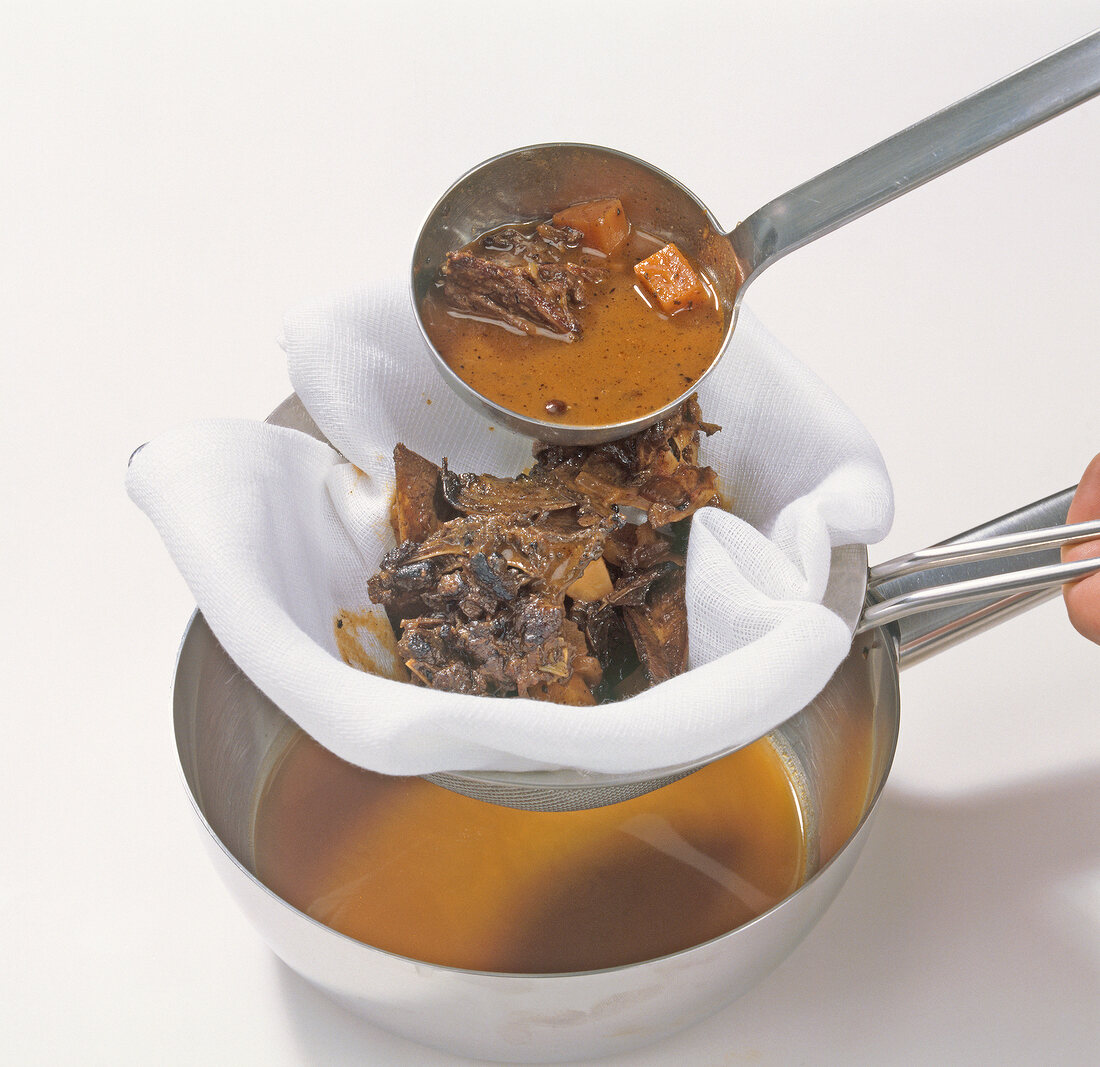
(840, 747)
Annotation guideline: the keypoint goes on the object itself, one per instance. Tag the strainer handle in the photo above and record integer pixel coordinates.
(937, 628)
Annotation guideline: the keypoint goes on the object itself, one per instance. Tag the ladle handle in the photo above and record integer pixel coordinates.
(932, 630)
(924, 151)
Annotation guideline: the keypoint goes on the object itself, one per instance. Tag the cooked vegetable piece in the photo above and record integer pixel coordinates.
(593, 584)
(603, 223)
(672, 280)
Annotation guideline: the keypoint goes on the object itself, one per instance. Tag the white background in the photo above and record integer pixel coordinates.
(174, 179)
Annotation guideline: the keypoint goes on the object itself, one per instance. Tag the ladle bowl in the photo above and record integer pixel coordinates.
(532, 183)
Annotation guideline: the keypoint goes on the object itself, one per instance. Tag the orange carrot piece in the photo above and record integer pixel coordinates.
(672, 280)
(603, 223)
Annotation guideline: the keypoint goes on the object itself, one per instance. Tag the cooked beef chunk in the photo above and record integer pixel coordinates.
(559, 236)
(482, 596)
(402, 580)
(529, 649)
(659, 626)
(610, 642)
(419, 506)
(638, 548)
(528, 494)
(520, 279)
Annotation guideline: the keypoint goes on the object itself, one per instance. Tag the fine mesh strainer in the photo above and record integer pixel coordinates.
(957, 588)
(987, 593)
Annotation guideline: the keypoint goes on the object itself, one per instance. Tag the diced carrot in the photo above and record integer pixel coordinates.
(603, 223)
(672, 280)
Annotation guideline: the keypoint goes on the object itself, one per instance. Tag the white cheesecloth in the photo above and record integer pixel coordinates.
(276, 533)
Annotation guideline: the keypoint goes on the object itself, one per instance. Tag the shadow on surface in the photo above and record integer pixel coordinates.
(968, 932)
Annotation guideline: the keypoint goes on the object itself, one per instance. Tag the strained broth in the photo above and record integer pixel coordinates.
(412, 868)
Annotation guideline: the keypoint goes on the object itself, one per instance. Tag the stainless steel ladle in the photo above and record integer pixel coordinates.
(531, 183)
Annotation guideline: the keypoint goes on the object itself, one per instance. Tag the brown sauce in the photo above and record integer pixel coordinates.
(632, 359)
(414, 869)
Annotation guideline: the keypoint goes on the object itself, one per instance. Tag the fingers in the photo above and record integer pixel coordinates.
(1083, 597)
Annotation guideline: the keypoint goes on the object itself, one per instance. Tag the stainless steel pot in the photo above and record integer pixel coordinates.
(840, 748)
(228, 736)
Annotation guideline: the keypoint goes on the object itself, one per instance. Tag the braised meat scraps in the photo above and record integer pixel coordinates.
(541, 585)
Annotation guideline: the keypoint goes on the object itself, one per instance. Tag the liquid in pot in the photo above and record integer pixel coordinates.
(412, 868)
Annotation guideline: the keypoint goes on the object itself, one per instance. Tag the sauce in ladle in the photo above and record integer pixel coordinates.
(631, 359)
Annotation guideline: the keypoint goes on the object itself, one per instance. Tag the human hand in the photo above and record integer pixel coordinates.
(1083, 597)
